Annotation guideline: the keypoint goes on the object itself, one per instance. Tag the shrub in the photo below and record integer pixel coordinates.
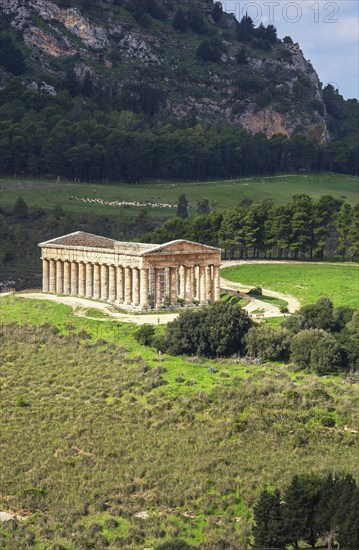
(144, 334)
(210, 50)
(315, 349)
(256, 291)
(295, 323)
(176, 544)
(268, 343)
(180, 22)
(216, 330)
(319, 315)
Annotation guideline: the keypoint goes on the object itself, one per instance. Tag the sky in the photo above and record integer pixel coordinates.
(327, 33)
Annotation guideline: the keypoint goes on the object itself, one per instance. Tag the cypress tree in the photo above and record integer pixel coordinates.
(20, 210)
(182, 207)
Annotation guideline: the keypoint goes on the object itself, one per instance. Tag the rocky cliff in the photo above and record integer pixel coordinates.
(132, 48)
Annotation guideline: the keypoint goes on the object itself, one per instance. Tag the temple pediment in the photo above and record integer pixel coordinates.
(181, 247)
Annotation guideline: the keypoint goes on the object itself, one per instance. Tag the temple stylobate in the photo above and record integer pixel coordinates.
(132, 275)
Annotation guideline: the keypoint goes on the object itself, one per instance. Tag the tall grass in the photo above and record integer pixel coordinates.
(105, 443)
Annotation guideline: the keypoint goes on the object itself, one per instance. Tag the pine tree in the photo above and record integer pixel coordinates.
(217, 12)
(180, 21)
(241, 56)
(203, 206)
(20, 210)
(269, 531)
(342, 226)
(182, 207)
(354, 233)
(300, 500)
(195, 20)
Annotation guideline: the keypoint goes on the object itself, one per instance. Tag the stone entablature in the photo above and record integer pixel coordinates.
(132, 275)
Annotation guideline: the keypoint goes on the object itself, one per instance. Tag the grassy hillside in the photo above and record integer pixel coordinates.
(307, 282)
(221, 194)
(104, 444)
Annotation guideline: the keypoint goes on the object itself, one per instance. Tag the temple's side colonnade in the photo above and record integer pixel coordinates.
(72, 270)
(132, 286)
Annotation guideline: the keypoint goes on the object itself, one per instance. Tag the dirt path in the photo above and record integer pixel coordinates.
(293, 303)
(79, 306)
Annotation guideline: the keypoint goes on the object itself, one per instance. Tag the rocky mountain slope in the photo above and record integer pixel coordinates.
(172, 60)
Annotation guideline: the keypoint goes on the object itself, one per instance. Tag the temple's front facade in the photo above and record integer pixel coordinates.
(132, 275)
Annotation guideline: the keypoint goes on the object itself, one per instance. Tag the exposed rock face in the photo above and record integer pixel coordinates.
(159, 57)
(47, 43)
(266, 121)
(92, 35)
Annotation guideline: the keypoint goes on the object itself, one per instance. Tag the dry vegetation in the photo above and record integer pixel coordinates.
(97, 433)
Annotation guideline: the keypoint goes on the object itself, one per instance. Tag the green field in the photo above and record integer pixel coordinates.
(223, 194)
(305, 281)
(98, 429)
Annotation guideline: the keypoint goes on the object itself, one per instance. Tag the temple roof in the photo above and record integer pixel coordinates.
(80, 239)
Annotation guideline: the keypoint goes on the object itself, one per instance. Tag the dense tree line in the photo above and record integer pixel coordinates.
(82, 138)
(303, 228)
(24, 226)
(309, 509)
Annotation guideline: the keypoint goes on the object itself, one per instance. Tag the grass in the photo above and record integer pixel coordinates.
(222, 194)
(307, 282)
(271, 300)
(234, 299)
(97, 429)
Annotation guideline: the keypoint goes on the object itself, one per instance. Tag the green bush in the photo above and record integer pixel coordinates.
(317, 350)
(268, 343)
(216, 330)
(256, 291)
(144, 334)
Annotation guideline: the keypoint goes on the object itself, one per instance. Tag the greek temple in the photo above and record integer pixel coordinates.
(136, 276)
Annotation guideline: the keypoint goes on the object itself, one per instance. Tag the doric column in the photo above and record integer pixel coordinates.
(45, 275)
(67, 277)
(112, 284)
(59, 277)
(82, 279)
(96, 282)
(173, 285)
(135, 286)
(104, 282)
(144, 288)
(208, 283)
(182, 284)
(119, 284)
(216, 283)
(189, 285)
(202, 285)
(74, 279)
(194, 282)
(89, 280)
(52, 276)
(158, 282)
(198, 286)
(128, 286)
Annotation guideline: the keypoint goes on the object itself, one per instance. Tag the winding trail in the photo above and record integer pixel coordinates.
(255, 308)
(270, 310)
